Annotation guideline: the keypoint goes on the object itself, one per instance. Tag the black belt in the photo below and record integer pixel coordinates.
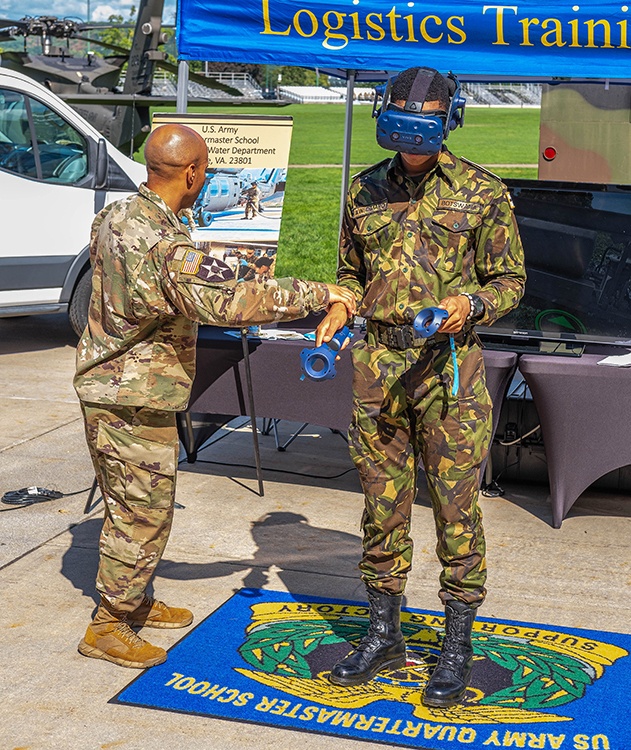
(397, 337)
(402, 337)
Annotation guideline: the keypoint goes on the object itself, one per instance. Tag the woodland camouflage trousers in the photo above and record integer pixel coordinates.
(134, 451)
(403, 411)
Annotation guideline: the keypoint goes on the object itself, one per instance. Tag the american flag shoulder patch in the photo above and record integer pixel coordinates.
(191, 262)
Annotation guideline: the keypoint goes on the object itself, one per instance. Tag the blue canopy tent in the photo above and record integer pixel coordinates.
(534, 40)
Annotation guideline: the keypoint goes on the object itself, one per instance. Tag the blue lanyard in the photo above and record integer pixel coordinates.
(426, 323)
(454, 359)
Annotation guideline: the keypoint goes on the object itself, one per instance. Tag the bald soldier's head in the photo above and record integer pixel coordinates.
(176, 158)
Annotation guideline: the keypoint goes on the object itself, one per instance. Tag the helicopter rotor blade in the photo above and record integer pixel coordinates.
(5, 23)
(106, 45)
(210, 83)
(135, 100)
(105, 25)
(169, 67)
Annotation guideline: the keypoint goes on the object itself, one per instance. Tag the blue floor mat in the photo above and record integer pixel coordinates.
(264, 656)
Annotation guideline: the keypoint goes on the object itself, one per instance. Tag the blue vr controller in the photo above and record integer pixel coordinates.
(428, 321)
(319, 363)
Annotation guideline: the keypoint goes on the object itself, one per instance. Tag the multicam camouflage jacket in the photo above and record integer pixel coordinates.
(408, 244)
(150, 289)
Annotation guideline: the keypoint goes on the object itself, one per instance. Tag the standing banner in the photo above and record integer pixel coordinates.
(238, 212)
(531, 38)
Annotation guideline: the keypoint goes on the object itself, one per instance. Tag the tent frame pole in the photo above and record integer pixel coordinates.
(181, 97)
(348, 133)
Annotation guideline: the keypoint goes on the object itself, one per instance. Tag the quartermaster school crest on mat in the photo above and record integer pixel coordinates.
(533, 686)
(519, 671)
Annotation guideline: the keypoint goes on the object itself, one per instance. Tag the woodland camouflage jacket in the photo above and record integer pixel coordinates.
(406, 245)
(150, 289)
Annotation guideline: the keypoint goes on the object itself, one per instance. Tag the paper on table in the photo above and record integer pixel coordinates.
(273, 334)
(618, 360)
(280, 333)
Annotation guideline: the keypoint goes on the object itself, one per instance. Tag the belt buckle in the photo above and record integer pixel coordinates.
(407, 337)
(398, 337)
(391, 337)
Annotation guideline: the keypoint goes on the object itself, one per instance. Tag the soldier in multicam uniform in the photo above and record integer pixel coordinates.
(135, 366)
(423, 230)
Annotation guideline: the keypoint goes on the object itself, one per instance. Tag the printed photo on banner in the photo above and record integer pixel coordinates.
(237, 215)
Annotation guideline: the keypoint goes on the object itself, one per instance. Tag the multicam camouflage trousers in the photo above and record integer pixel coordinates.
(403, 410)
(134, 451)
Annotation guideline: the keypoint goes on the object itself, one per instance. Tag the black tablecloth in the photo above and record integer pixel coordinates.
(585, 413)
(220, 384)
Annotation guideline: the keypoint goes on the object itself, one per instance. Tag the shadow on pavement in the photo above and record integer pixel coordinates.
(284, 540)
(31, 333)
(80, 562)
(289, 543)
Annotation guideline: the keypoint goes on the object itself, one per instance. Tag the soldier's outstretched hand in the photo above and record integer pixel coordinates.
(458, 309)
(343, 295)
(335, 319)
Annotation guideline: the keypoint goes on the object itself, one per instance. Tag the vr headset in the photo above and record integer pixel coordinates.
(408, 128)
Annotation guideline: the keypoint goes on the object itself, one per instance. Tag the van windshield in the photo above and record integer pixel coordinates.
(36, 142)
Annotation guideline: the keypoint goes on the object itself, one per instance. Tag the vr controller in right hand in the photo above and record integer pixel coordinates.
(319, 363)
(429, 320)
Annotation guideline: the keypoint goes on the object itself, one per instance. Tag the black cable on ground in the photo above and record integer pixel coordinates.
(32, 495)
(280, 471)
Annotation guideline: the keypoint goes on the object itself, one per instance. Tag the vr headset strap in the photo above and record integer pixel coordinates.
(418, 92)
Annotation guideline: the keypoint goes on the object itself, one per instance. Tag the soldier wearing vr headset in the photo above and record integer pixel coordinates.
(424, 228)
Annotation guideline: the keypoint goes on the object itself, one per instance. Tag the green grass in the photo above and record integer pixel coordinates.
(309, 230)
(308, 239)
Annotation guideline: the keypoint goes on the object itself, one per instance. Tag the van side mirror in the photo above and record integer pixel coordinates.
(102, 161)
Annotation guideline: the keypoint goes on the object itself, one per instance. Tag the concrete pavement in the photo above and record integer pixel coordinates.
(302, 537)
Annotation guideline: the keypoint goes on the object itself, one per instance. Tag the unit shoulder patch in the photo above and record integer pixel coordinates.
(205, 267)
(450, 204)
(371, 209)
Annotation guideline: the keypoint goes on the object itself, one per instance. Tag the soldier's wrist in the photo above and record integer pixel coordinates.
(477, 308)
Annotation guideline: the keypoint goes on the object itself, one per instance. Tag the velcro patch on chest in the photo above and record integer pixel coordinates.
(449, 204)
(365, 210)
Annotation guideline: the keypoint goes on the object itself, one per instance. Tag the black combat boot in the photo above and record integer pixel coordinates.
(382, 648)
(451, 675)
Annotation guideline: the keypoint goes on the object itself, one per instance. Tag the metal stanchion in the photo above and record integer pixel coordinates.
(255, 437)
(88, 505)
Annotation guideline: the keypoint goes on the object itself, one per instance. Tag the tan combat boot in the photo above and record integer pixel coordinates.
(115, 641)
(155, 614)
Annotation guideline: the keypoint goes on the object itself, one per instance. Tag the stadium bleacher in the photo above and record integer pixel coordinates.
(311, 94)
(164, 84)
(477, 94)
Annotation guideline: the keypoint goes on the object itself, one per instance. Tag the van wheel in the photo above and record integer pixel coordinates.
(80, 302)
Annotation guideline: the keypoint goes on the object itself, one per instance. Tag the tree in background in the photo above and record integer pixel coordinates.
(121, 33)
(117, 34)
(292, 76)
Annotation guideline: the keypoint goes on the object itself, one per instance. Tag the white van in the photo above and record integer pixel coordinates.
(56, 173)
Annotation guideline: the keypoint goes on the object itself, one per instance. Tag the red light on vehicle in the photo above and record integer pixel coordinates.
(549, 153)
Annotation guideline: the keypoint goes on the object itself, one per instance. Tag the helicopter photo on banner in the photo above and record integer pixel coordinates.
(237, 215)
